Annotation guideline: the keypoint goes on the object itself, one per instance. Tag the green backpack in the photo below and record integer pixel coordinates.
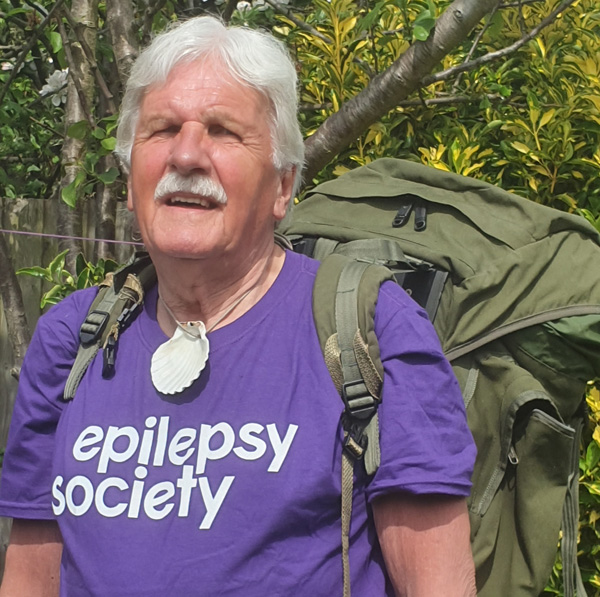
(508, 286)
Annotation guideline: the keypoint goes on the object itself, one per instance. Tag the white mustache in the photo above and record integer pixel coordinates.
(195, 184)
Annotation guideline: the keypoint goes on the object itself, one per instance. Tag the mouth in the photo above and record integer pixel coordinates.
(193, 202)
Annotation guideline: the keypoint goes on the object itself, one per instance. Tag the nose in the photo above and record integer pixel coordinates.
(189, 151)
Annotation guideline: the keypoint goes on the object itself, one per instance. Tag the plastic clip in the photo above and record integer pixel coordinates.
(420, 218)
(402, 215)
(110, 351)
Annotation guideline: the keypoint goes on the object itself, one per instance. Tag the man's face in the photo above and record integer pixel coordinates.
(202, 123)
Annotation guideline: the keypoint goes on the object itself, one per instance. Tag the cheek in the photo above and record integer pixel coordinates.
(146, 172)
(148, 162)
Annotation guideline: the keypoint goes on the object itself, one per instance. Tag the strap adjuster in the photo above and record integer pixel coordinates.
(358, 401)
(93, 326)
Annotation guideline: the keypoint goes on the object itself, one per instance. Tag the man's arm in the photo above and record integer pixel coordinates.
(32, 559)
(425, 544)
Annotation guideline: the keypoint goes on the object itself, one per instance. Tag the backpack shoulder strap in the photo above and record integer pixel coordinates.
(118, 299)
(344, 299)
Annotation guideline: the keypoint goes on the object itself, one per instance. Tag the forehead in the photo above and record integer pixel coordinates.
(203, 85)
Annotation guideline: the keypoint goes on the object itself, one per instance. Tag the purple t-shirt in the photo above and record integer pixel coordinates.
(233, 486)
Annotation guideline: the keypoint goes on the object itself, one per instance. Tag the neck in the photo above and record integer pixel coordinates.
(216, 294)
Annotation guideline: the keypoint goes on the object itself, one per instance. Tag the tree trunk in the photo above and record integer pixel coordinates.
(121, 24)
(106, 209)
(393, 85)
(14, 308)
(80, 96)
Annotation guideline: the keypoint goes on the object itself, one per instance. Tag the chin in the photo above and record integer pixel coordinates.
(180, 251)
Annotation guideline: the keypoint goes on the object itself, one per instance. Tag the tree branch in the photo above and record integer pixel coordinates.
(229, 8)
(490, 57)
(149, 14)
(474, 47)
(298, 22)
(392, 85)
(34, 37)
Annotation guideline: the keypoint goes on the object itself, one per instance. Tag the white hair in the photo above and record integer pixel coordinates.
(254, 58)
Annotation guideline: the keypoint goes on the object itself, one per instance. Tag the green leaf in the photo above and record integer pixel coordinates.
(592, 455)
(521, 147)
(36, 272)
(109, 143)
(58, 263)
(55, 41)
(547, 117)
(83, 279)
(98, 133)
(420, 33)
(80, 264)
(79, 130)
(372, 15)
(109, 176)
(69, 194)
(34, 142)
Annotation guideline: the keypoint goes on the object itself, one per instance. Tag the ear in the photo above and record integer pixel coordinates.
(129, 196)
(284, 195)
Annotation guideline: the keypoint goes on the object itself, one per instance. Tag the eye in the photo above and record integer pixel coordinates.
(219, 130)
(166, 131)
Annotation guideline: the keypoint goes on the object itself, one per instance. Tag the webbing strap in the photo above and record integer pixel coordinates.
(323, 247)
(355, 392)
(573, 583)
(105, 301)
(373, 250)
(347, 488)
(108, 306)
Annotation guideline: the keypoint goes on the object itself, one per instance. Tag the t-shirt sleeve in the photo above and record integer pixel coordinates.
(25, 485)
(426, 445)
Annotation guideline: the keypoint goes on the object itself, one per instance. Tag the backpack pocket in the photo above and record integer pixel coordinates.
(525, 456)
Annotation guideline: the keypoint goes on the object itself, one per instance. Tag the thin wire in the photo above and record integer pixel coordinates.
(58, 236)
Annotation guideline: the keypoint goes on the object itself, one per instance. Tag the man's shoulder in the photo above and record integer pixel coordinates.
(301, 263)
(72, 308)
(63, 320)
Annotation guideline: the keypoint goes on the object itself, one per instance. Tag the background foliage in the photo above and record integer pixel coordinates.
(529, 121)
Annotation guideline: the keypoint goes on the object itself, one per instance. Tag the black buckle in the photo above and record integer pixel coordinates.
(93, 326)
(358, 401)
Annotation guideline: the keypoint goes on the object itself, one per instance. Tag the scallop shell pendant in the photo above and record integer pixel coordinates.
(177, 363)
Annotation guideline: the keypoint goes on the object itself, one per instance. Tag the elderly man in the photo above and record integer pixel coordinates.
(209, 463)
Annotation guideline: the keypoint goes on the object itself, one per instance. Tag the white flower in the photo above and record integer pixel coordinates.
(56, 86)
(243, 6)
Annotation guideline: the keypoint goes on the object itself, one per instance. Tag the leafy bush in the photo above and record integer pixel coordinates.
(63, 282)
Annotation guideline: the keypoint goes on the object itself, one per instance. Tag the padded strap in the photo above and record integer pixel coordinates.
(344, 301)
(346, 318)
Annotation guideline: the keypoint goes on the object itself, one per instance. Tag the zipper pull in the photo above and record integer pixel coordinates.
(402, 215)
(420, 217)
(512, 456)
